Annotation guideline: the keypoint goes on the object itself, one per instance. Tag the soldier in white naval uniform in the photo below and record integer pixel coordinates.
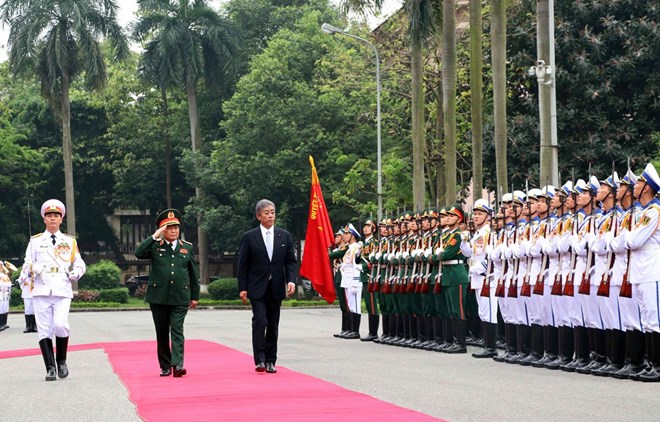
(52, 262)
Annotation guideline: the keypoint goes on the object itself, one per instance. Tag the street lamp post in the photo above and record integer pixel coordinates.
(329, 29)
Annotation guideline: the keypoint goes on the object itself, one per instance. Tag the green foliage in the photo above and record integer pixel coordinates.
(15, 297)
(119, 295)
(223, 289)
(101, 276)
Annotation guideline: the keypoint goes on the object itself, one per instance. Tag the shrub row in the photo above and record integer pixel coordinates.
(119, 295)
(224, 289)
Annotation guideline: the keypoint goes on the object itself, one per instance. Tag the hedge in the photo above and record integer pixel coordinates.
(101, 276)
(224, 289)
(119, 295)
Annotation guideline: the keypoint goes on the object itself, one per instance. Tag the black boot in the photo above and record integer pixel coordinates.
(634, 361)
(396, 329)
(61, 345)
(355, 327)
(550, 346)
(46, 346)
(344, 325)
(460, 326)
(386, 328)
(565, 348)
(511, 339)
(523, 335)
(581, 350)
(653, 375)
(438, 334)
(3, 322)
(615, 343)
(429, 334)
(27, 324)
(412, 331)
(421, 332)
(596, 351)
(373, 328)
(536, 346)
(489, 334)
(33, 323)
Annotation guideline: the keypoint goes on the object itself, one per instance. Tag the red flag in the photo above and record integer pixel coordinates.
(316, 262)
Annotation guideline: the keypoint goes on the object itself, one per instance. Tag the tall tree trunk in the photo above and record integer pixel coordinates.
(418, 138)
(440, 152)
(498, 41)
(168, 148)
(67, 149)
(476, 94)
(196, 138)
(548, 156)
(449, 96)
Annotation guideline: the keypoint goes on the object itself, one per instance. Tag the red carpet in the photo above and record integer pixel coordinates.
(221, 385)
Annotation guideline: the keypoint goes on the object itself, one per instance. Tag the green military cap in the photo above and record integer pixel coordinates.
(432, 213)
(370, 223)
(168, 217)
(456, 210)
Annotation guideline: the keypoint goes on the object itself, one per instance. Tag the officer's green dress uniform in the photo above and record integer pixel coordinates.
(455, 283)
(173, 283)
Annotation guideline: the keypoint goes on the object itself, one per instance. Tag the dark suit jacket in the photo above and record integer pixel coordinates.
(255, 269)
(174, 275)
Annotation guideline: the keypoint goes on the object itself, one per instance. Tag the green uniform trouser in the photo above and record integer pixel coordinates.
(168, 321)
(341, 295)
(456, 299)
(471, 304)
(439, 299)
(385, 300)
(370, 299)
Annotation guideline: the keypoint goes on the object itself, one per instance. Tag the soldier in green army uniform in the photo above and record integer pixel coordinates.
(444, 338)
(409, 237)
(381, 248)
(336, 256)
(395, 272)
(454, 279)
(370, 297)
(415, 280)
(173, 287)
(432, 321)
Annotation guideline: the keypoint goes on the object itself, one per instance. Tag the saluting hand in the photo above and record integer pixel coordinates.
(158, 234)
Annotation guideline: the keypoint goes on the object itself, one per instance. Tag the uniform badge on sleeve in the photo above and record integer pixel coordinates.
(452, 242)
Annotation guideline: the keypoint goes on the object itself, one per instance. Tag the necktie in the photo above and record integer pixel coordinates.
(269, 245)
(52, 236)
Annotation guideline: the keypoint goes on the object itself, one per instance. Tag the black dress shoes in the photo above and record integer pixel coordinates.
(260, 367)
(270, 368)
(165, 372)
(179, 371)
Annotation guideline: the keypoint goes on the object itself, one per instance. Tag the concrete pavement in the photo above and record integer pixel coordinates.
(453, 387)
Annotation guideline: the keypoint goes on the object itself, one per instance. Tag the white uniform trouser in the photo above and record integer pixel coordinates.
(648, 295)
(589, 304)
(630, 314)
(609, 309)
(547, 314)
(487, 306)
(28, 305)
(354, 299)
(52, 315)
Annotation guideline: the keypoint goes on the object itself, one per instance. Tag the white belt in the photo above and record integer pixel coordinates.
(453, 262)
(650, 247)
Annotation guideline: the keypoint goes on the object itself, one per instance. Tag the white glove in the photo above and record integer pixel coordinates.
(438, 251)
(377, 256)
(427, 252)
(74, 274)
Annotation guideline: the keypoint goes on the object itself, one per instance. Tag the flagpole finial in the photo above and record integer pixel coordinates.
(311, 161)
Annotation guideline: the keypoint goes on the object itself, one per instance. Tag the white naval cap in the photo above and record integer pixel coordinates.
(650, 176)
(53, 205)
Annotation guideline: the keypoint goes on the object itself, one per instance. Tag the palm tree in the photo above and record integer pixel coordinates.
(498, 40)
(449, 95)
(476, 94)
(58, 40)
(189, 41)
(421, 25)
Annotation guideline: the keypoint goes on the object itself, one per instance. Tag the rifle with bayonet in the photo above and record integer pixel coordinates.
(513, 286)
(545, 262)
(626, 286)
(585, 284)
(526, 289)
(569, 287)
(492, 235)
(604, 287)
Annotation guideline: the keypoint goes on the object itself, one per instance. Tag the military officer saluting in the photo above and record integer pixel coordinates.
(52, 262)
(173, 287)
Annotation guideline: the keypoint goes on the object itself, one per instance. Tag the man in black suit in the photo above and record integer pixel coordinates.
(267, 272)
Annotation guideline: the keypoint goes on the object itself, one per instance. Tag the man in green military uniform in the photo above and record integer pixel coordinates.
(173, 287)
(454, 279)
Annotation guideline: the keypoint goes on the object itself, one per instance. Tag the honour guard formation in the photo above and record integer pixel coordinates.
(561, 278)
